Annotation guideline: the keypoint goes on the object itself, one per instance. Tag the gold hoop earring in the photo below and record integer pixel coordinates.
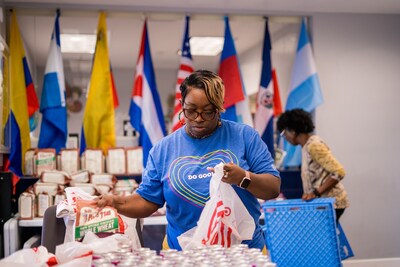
(181, 121)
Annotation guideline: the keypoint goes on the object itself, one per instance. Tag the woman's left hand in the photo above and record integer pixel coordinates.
(308, 196)
(233, 174)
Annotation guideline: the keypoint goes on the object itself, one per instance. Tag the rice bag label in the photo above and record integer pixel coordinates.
(88, 218)
(103, 226)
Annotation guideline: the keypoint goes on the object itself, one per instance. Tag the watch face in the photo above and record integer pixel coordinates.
(245, 182)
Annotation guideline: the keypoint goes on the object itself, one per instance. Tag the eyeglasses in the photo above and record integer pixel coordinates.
(206, 115)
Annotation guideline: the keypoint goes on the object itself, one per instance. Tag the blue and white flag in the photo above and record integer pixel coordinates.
(305, 91)
(146, 114)
(53, 131)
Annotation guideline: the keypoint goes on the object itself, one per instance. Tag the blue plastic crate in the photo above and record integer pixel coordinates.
(302, 233)
(344, 245)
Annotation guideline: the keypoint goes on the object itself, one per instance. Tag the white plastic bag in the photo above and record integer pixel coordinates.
(91, 244)
(33, 257)
(224, 220)
(68, 208)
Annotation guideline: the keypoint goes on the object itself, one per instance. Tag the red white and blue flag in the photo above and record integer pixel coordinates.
(146, 114)
(268, 98)
(53, 131)
(185, 69)
(235, 99)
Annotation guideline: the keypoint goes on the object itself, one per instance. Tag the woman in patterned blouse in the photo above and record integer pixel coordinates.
(321, 172)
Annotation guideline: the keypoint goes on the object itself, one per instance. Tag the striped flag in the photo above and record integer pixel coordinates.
(277, 96)
(98, 129)
(305, 91)
(235, 99)
(53, 131)
(23, 103)
(33, 103)
(146, 114)
(114, 89)
(185, 68)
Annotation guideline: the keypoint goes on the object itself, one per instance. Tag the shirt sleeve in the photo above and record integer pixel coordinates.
(257, 155)
(323, 156)
(151, 187)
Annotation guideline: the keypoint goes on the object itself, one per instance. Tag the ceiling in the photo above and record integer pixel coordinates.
(165, 24)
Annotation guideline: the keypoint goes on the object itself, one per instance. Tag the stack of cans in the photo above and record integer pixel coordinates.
(210, 256)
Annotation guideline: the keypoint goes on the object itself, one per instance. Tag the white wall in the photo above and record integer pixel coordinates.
(358, 60)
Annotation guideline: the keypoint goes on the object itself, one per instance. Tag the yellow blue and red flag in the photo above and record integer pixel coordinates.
(23, 102)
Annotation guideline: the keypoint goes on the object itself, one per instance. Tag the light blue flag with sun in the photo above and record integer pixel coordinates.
(305, 90)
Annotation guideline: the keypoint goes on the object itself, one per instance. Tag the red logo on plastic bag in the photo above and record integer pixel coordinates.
(218, 232)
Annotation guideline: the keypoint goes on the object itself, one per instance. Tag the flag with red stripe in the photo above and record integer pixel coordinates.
(23, 102)
(114, 89)
(277, 96)
(185, 68)
(145, 111)
(235, 99)
(33, 103)
(268, 98)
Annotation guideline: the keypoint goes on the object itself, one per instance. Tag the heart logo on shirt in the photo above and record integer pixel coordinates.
(189, 178)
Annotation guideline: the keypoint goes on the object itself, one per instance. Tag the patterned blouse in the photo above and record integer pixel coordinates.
(318, 164)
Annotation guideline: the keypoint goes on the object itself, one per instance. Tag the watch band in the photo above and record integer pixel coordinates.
(245, 181)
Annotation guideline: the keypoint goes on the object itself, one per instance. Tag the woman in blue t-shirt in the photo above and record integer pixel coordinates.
(179, 167)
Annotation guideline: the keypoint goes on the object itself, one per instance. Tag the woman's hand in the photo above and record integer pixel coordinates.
(104, 200)
(263, 185)
(233, 174)
(308, 196)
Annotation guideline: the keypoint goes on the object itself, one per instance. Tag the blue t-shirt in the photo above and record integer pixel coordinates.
(176, 173)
